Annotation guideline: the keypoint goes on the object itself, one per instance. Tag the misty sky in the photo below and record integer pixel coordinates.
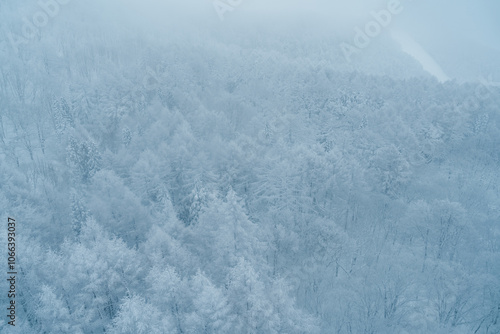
(473, 19)
(462, 36)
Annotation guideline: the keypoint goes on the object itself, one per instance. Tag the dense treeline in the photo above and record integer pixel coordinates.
(197, 186)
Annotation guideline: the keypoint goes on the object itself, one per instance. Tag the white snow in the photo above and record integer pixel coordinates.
(414, 49)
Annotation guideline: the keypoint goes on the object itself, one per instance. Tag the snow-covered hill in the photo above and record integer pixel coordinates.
(175, 173)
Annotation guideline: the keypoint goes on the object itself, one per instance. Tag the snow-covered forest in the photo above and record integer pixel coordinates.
(227, 179)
